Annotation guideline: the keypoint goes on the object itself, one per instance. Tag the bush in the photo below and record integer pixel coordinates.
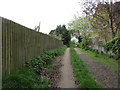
(114, 46)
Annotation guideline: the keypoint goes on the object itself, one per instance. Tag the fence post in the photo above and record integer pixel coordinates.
(0, 53)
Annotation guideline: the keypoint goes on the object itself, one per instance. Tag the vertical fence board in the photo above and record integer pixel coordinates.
(3, 49)
(0, 53)
(6, 48)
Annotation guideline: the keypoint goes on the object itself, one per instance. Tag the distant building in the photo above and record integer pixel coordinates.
(74, 39)
(74, 36)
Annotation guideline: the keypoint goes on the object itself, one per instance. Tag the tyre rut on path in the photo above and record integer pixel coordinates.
(67, 78)
(100, 72)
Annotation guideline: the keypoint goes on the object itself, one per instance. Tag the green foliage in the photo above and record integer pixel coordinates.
(80, 24)
(61, 50)
(52, 32)
(66, 38)
(103, 58)
(46, 58)
(27, 77)
(84, 44)
(36, 64)
(60, 29)
(24, 78)
(83, 27)
(82, 74)
(79, 39)
(72, 44)
(114, 46)
(62, 32)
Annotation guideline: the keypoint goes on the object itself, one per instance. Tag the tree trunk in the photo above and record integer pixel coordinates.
(111, 19)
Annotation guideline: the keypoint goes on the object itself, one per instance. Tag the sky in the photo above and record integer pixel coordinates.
(49, 12)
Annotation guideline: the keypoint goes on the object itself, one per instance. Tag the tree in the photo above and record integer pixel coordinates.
(81, 25)
(52, 32)
(100, 22)
(66, 38)
(116, 16)
(62, 32)
(103, 15)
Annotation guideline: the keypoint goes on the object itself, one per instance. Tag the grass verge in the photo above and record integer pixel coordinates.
(29, 75)
(110, 62)
(81, 73)
(24, 78)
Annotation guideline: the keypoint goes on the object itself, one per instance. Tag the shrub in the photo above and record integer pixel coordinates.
(114, 46)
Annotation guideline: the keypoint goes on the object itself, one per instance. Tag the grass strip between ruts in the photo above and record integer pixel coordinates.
(82, 76)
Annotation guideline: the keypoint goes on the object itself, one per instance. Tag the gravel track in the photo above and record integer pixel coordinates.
(100, 72)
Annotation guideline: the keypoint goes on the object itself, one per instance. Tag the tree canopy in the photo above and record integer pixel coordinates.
(62, 33)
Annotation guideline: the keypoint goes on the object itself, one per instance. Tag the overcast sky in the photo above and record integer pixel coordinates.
(50, 12)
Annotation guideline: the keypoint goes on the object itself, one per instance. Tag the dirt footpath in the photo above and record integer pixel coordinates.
(67, 79)
(100, 72)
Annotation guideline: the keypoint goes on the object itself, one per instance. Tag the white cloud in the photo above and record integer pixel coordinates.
(30, 12)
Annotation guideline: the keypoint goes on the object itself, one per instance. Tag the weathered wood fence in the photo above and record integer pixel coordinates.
(20, 44)
(0, 54)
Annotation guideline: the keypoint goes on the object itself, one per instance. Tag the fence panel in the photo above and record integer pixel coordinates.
(20, 44)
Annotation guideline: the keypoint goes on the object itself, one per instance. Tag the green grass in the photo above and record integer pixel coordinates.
(81, 73)
(110, 62)
(24, 78)
(29, 75)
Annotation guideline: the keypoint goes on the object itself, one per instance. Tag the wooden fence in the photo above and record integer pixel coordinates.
(20, 44)
(0, 54)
